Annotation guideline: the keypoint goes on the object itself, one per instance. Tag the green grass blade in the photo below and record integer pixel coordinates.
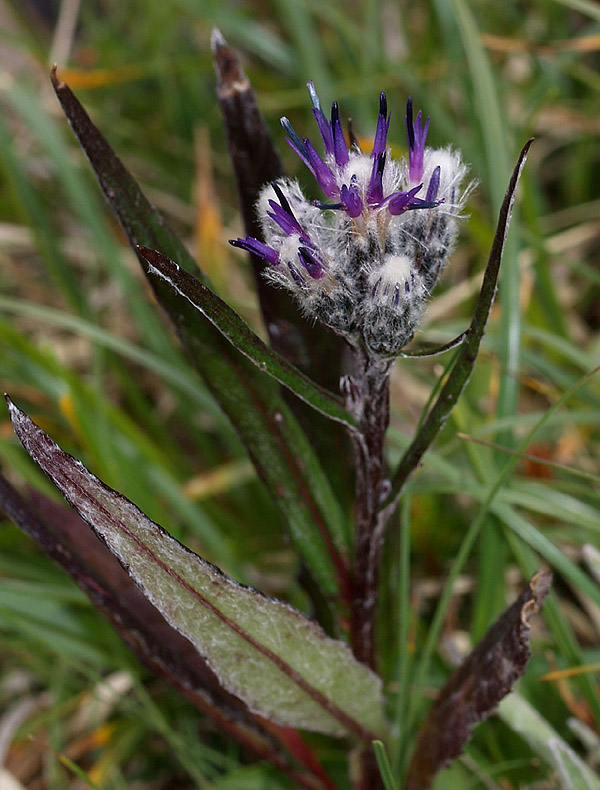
(470, 537)
(385, 769)
(494, 134)
(571, 770)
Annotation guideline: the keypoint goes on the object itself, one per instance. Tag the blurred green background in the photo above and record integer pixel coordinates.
(87, 354)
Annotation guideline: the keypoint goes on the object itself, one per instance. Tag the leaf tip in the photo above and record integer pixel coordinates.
(11, 406)
(18, 418)
(158, 263)
(540, 584)
(56, 83)
(216, 40)
(230, 74)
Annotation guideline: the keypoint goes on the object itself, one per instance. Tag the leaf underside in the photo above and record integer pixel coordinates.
(66, 538)
(277, 661)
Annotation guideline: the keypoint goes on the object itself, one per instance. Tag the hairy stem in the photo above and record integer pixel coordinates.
(368, 397)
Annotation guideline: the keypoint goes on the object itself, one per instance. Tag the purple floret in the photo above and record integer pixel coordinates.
(375, 190)
(311, 263)
(320, 118)
(283, 214)
(340, 150)
(321, 171)
(257, 247)
(417, 134)
(434, 185)
(399, 202)
(351, 200)
(383, 124)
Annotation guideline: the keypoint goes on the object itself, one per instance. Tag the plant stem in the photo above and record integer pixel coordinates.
(368, 397)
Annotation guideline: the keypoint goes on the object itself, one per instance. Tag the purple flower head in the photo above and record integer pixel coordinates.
(417, 134)
(364, 261)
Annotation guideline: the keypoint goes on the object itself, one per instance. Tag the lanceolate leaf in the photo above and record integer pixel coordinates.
(280, 663)
(141, 222)
(317, 352)
(64, 536)
(478, 685)
(239, 334)
(256, 162)
(276, 444)
(462, 368)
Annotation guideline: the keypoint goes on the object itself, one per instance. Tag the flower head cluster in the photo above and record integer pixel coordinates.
(364, 261)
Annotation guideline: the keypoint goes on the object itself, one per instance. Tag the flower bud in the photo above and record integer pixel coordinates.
(364, 262)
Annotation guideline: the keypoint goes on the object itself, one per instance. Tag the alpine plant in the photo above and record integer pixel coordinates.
(364, 261)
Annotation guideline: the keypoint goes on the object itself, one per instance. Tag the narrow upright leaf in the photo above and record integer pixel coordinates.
(277, 661)
(478, 685)
(275, 442)
(142, 223)
(465, 361)
(239, 334)
(256, 162)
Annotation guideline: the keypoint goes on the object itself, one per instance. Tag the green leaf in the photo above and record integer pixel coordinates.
(276, 444)
(572, 772)
(276, 660)
(461, 371)
(385, 769)
(239, 334)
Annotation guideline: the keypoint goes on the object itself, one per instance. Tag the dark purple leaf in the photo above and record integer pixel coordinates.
(477, 686)
(256, 162)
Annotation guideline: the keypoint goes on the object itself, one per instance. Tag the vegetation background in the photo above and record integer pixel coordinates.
(86, 353)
